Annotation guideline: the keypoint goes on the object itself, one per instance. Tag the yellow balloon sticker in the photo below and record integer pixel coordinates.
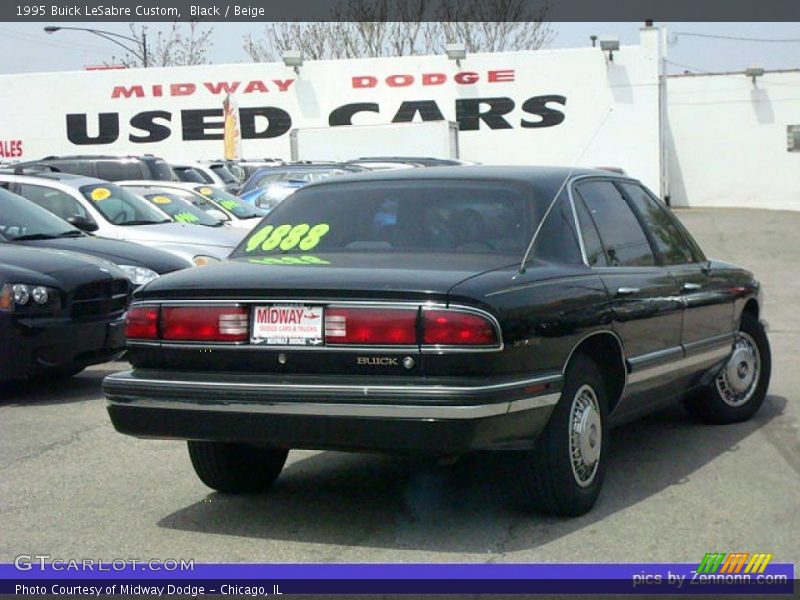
(161, 200)
(100, 193)
(206, 191)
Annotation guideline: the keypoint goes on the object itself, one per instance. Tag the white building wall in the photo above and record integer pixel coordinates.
(727, 140)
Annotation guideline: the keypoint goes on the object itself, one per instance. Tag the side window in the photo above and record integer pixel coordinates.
(76, 167)
(114, 170)
(595, 254)
(622, 236)
(57, 202)
(558, 240)
(669, 241)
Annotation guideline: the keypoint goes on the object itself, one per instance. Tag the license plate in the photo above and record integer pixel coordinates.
(287, 325)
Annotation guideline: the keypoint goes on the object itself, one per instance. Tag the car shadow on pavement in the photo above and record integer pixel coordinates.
(474, 506)
(44, 392)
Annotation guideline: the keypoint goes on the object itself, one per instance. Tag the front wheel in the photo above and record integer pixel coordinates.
(739, 389)
(564, 471)
(236, 468)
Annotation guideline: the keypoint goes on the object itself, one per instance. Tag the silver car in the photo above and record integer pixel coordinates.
(108, 210)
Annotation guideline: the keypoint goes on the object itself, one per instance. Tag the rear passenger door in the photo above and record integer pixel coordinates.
(708, 321)
(644, 296)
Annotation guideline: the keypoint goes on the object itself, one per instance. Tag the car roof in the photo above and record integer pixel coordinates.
(185, 185)
(520, 174)
(69, 179)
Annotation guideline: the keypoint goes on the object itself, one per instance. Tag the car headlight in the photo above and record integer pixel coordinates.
(201, 260)
(16, 296)
(138, 275)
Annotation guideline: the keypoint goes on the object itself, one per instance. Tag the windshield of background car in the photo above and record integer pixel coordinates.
(176, 207)
(304, 175)
(121, 207)
(22, 218)
(161, 170)
(231, 203)
(397, 216)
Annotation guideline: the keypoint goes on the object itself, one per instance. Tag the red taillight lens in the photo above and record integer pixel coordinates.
(453, 328)
(142, 323)
(204, 323)
(370, 326)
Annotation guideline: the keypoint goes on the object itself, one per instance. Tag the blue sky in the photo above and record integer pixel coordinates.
(29, 49)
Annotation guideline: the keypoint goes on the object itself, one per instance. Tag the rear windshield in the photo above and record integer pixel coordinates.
(192, 175)
(302, 175)
(176, 207)
(396, 216)
(121, 207)
(161, 171)
(224, 173)
(231, 203)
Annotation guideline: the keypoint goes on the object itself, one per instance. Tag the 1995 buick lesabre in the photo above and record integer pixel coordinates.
(443, 311)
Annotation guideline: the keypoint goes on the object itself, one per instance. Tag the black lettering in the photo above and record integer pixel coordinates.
(469, 115)
(195, 125)
(278, 122)
(428, 111)
(344, 114)
(107, 132)
(156, 132)
(548, 117)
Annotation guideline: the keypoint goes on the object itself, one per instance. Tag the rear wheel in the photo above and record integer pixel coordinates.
(564, 472)
(739, 389)
(236, 468)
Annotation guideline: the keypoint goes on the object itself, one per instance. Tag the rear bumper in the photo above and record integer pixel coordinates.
(443, 417)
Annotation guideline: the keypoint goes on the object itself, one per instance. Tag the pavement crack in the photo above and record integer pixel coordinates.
(62, 443)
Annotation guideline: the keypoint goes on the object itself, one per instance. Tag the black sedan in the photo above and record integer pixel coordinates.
(26, 223)
(59, 312)
(444, 311)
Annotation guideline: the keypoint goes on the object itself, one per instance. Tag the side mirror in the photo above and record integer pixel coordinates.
(218, 214)
(83, 223)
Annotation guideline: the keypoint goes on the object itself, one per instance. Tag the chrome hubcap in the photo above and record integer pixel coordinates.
(738, 379)
(586, 436)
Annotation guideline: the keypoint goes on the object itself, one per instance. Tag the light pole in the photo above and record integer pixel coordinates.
(110, 35)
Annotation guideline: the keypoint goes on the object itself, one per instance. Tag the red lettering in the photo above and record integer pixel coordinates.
(222, 86)
(255, 86)
(158, 91)
(283, 84)
(182, 89)
(399, 80)
(434, 78)
(367, 81)
(121, 90)
(499, 76)
(466, 77)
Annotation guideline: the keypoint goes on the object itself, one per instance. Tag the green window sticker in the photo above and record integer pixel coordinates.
(184, 217)
(229, 204)
(289, 260)
(287, 237)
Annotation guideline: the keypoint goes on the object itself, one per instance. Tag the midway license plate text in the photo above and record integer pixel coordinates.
(287, 325)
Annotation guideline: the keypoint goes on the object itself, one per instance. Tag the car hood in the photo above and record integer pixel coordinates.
(117, 251)
(19, 264)
(178, 233)
(391, 275)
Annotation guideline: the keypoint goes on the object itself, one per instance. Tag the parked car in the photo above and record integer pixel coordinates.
(215, 201)
(25, 223)
(244, 168)
(267, 198)
(100, 207)
(59, 312)
(214, 173)
(109, 168)
(302, 172)
(179, 209)
(367, 162)
(443, 311)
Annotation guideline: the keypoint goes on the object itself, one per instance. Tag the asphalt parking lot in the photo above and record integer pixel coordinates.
(71, 487)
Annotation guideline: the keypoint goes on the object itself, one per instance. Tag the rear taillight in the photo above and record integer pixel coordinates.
(371, 326)
(454, 328)
(142, 323)
(204, 323)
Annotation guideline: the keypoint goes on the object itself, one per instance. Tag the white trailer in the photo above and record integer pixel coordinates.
(434, 139)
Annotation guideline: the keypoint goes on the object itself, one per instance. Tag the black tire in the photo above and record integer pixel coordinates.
(551, 485)
(236, 468)
(709, 405)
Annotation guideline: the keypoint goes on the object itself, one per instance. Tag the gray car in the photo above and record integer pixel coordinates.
(108, 210)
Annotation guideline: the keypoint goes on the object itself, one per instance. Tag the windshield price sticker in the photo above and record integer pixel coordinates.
(287, 325)
(289, 260)
(161, 200)
(100, 193)
(185, 217)
(287, 237)
(229, 204)
(206, 191)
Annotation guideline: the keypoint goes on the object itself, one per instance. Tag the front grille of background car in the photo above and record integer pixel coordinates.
(101, 299)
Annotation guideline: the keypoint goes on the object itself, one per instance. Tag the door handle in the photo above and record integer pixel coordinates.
(627, 291)
(691, 287)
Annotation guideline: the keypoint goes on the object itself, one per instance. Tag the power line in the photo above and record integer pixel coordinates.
(676, 34)
(25, 37)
